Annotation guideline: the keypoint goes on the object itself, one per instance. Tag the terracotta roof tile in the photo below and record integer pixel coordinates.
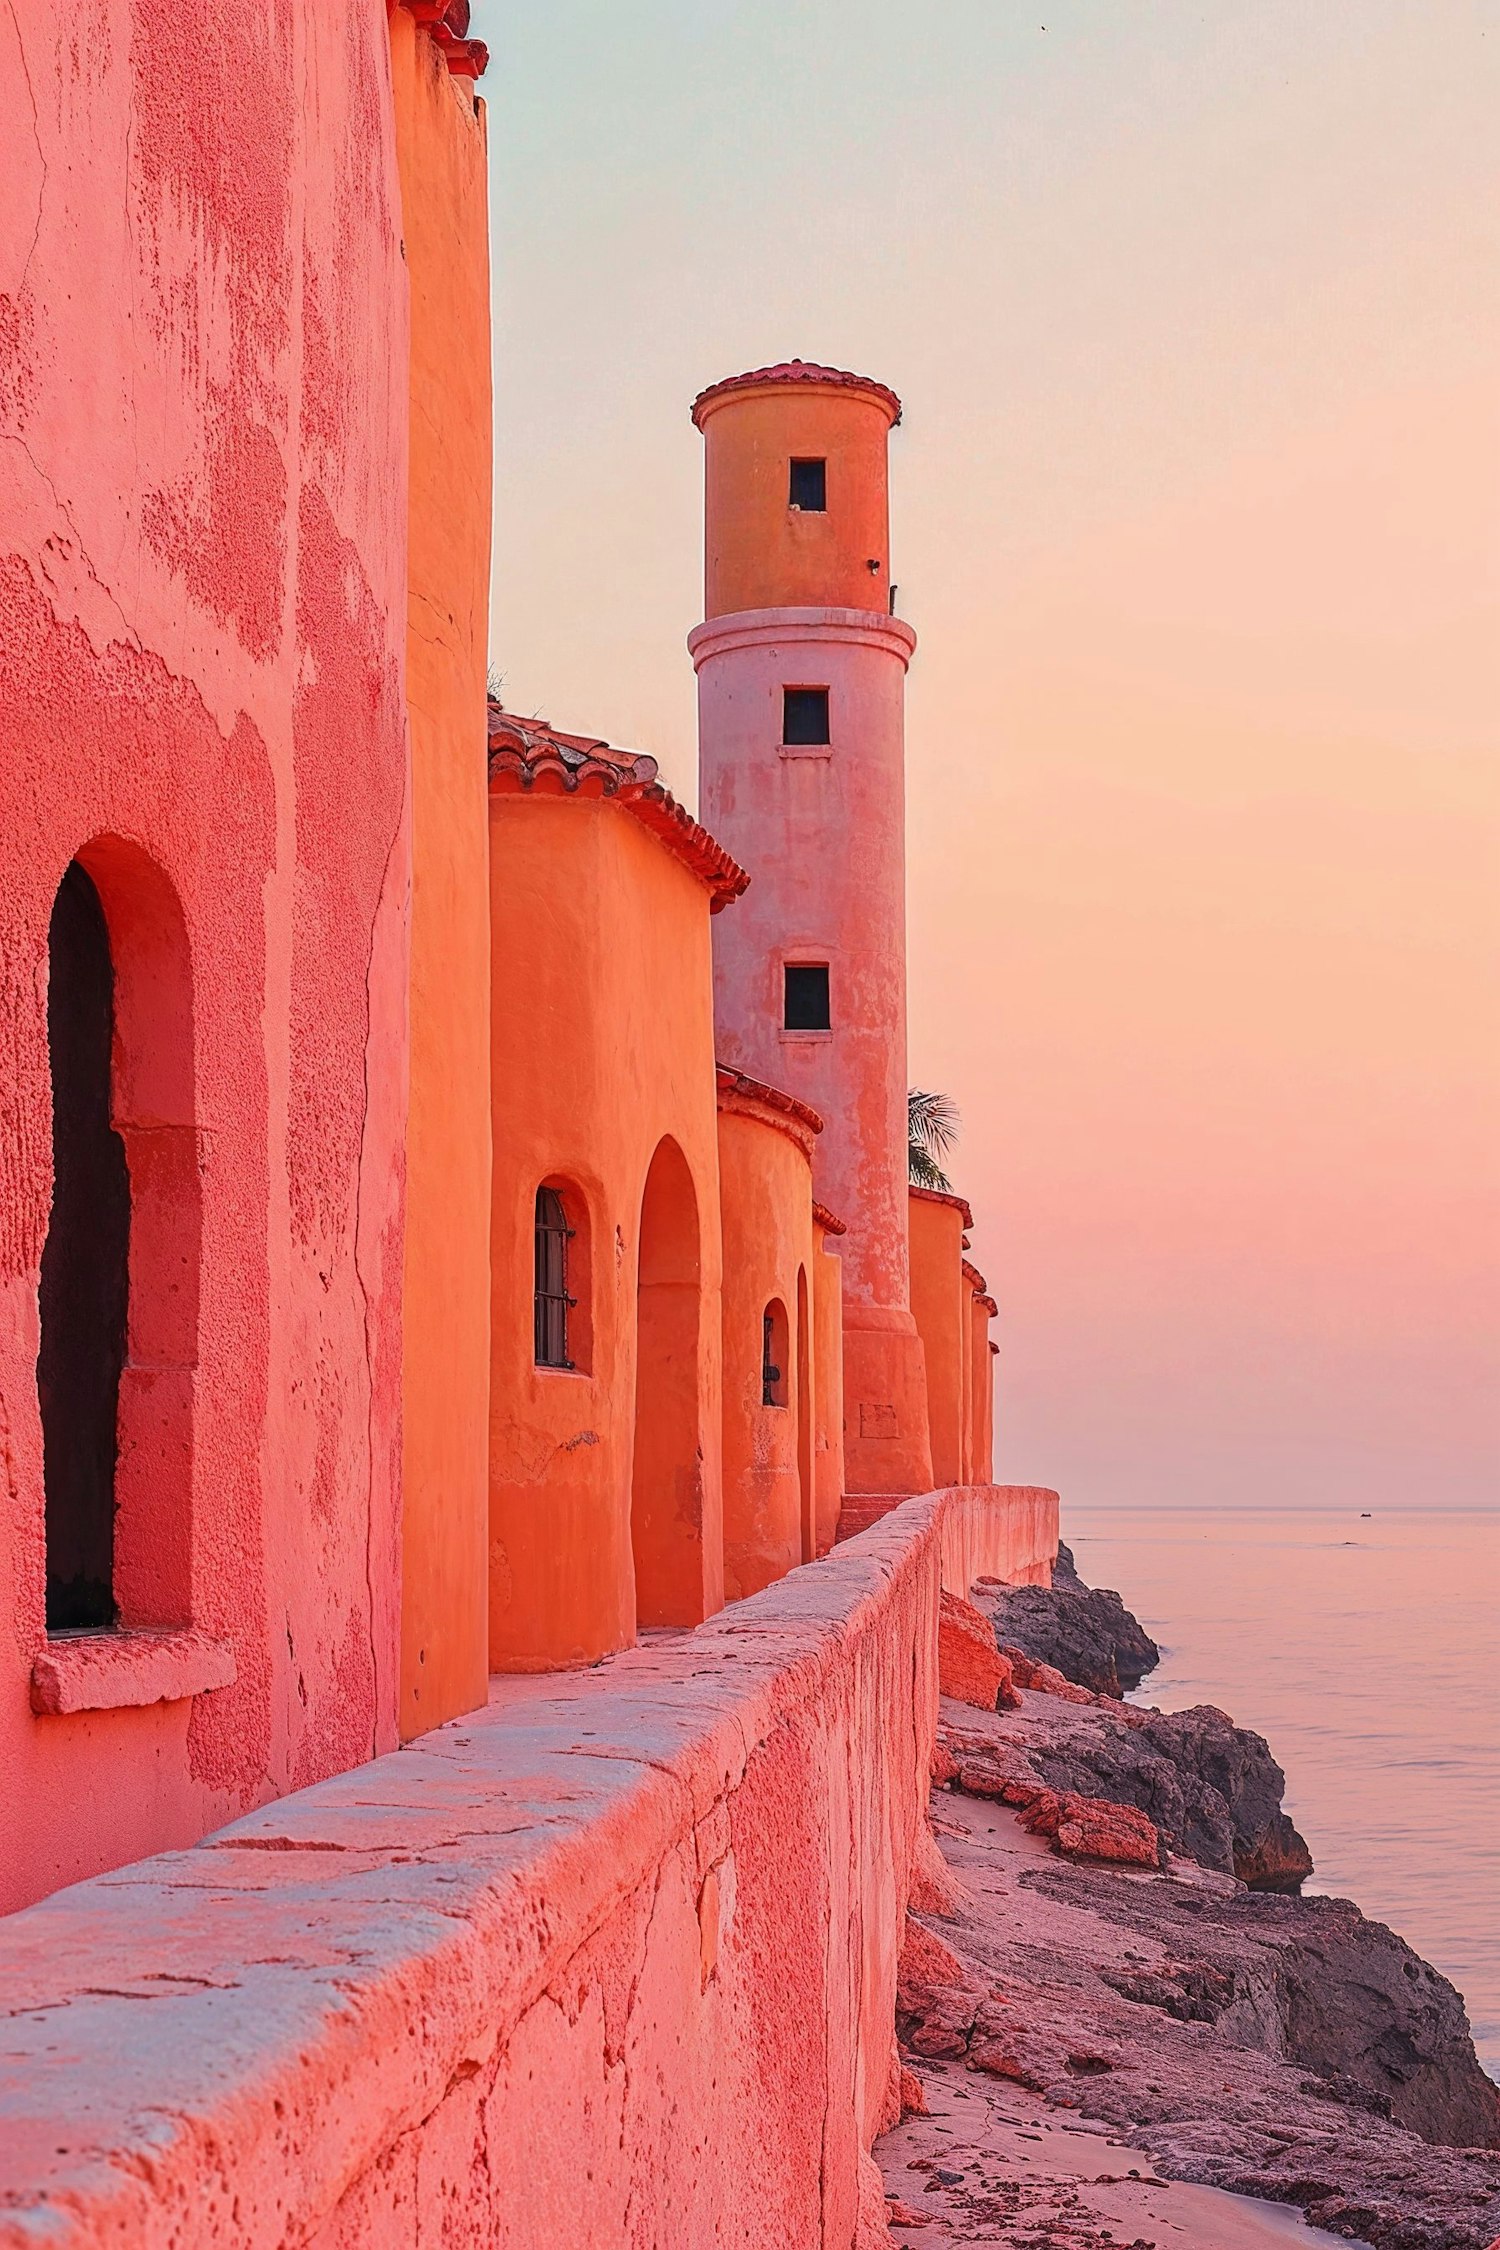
(740, 1082)
(827, 1221)
(448, 21)
(799, 371)
(530, 754)
(937, 1195)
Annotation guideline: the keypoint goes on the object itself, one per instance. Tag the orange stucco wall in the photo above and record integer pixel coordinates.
(981, 1392)
(440, 143)
(765, 1175)
(828, 1344)
(939, 1303)
(602, 1046)
(761, 554)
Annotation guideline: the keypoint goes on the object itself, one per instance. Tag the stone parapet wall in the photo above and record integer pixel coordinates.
(612, 1961)
(608, 1963)
(1007, 1531)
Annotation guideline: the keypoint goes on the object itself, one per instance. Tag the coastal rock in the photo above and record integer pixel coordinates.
(1086, 1633)
(926, 1963)
(970, 1666)
(1236, 1766)
(1274, 2046)
(1093, 1828)
(1358, 2004)
(1212, 1788)
(1044, 1679)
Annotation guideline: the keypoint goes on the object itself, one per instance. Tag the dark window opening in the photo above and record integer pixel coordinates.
(809, 487)
(804, 714)
(553, 1304)
(807, 997)
(773, 1356)
(85, 1267)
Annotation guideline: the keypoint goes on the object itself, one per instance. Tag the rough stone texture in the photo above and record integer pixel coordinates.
(1093, 1828)
(1236, 1766)
(1285, 2048)
(1026, 1672)
(1087, 1633)
(970, 1666)
(982, 2161)
(1212, 1788)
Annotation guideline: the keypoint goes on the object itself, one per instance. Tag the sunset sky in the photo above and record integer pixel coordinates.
(1194, 312)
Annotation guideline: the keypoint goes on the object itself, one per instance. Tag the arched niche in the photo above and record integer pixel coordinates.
(120, 1267)
(666, 1493)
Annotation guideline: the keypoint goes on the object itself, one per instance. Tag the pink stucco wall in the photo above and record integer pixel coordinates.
(203, 447)
(612, 1961)
(822, 832)
(1007, 1531)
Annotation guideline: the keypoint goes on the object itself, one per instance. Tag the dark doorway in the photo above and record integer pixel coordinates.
(85, 1267)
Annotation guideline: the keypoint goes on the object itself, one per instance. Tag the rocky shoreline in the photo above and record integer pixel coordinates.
(1111, 1936)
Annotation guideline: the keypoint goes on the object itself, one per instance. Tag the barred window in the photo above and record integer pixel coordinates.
(553, 1303)
(773, 1355)
(808, 487)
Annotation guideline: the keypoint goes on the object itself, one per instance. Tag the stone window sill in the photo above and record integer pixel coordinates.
(119, 1671)
(803, 1038)
(804, 750)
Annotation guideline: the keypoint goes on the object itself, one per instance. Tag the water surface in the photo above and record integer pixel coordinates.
(1367, 1651)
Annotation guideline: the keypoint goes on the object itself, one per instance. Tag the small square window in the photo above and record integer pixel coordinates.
(807, 997)
(804, 714)
(809, 487)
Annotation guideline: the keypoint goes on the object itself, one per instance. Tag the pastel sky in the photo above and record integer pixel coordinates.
(1195, 313)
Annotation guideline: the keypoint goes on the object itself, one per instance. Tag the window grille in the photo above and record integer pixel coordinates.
(770, 1373)
(553, 1304)
(808, 487)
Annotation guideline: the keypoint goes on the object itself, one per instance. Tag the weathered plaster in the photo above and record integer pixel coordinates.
(202, 607)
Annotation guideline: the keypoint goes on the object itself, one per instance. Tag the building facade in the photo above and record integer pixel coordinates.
(455, 1230)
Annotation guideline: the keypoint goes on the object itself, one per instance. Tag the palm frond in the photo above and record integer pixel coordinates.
(931, 1131)
(924, 1172)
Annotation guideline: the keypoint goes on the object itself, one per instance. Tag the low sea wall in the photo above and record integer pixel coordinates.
(611, 1962)
(1007, 1531)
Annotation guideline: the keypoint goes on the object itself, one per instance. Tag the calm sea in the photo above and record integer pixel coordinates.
(1367, 1652)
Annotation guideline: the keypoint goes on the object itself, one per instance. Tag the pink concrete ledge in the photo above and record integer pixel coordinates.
(112, 1671)
(613, 1959)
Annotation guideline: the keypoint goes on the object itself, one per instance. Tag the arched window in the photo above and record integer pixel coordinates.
(85, 1266)
(773, 1355)
(553, 1304)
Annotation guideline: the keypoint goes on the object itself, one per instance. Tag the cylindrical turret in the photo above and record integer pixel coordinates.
(801, 687)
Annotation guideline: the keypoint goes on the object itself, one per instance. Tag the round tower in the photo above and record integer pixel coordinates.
(801, 669)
